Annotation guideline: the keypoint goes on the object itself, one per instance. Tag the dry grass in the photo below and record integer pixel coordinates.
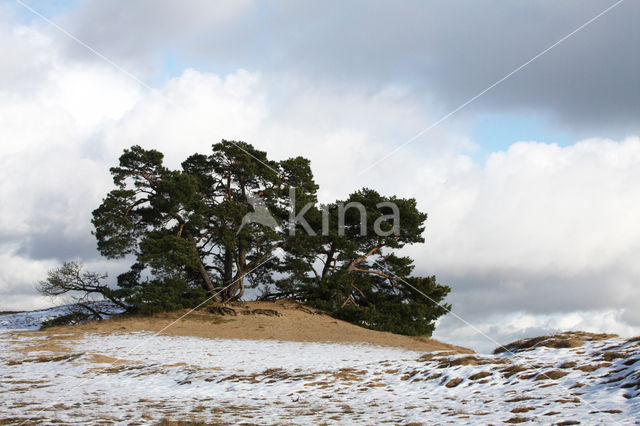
(518, 410)
(480, 375)
(593, 367)
(167, 422)
(436, 356)
(454, 382)
(512, 369)
(517, 419)
(551, 375)
(520, 399)
(568, 400)
(610, 356)
(470, 360)
(44, 358)
(570, 339)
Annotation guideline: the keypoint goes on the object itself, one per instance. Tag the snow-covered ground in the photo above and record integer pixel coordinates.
(138, 377)
(29, 320)
(32, 320)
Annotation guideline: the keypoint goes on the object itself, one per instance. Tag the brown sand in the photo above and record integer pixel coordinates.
(294, 322)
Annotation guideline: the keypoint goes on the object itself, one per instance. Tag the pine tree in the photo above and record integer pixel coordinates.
(185, 227)
(353, 272)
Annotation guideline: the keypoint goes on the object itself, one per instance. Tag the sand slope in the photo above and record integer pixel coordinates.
(258, 321)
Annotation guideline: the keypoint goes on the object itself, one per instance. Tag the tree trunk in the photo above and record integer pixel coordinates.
(238, 286)
(327, 263)
(207, 284)
(228, 272)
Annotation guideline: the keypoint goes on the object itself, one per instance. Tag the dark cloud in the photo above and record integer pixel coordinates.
(544, 292)
(476, 295)
(447, 51)
(52, 244)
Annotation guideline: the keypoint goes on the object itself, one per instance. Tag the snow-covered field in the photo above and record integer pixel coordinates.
(136, 377)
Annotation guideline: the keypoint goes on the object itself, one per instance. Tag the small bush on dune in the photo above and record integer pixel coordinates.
(66, 319)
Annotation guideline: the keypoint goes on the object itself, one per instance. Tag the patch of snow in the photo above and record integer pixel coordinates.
(32, 320)
(266, 382)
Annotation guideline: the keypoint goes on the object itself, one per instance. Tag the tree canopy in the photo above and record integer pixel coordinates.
(186, 224)
(353, 271)
(235, 219)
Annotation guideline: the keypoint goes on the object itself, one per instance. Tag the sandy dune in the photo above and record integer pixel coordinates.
(282, 320)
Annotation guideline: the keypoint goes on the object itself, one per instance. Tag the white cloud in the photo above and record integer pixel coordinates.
(341, 132)
(189, 114)
(540, 229)
(496, 330)
(18, 277)
(51, 172)
(48, 161)
(541, 207)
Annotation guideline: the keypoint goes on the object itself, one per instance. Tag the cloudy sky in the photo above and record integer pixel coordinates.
(532, 189)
